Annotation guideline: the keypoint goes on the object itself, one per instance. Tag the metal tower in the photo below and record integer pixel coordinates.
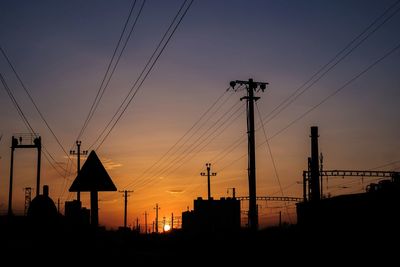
(24, 141)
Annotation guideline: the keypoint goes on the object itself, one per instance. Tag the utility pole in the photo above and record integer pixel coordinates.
(163, 228)
(208, 174)
(251, 86)
(157, 208)
(145, 221)
(321, 168)
(137, 225)
(14, 143)
(233, 191)
(78, 153)
(126, 204)
(172, 221)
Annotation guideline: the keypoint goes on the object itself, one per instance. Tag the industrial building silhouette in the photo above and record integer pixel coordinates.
(377, 208)
(212, 216)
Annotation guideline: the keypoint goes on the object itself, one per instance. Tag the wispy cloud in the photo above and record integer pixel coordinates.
(109, 164)
(175, 191)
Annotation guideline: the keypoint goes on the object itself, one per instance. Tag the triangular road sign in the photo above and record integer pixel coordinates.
(92, 177)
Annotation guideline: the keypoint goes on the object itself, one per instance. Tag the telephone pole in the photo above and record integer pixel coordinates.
(251, 86)
(145, 221)
(126, 204)
(208, 174)
(78, 153)
(157, 208)
(233, 191)
(163, 228)
(172, 221)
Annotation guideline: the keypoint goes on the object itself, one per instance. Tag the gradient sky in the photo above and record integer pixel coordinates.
(61, 50)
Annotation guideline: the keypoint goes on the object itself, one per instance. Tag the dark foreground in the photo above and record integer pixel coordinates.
(49, 246)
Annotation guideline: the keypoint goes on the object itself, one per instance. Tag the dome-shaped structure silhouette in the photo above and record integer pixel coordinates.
(42, 208)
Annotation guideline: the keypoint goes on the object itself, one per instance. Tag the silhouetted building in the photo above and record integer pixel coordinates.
(378, 207)
(212, 216)
(75, 214)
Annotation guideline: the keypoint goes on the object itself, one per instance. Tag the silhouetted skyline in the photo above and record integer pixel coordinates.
(61, 51)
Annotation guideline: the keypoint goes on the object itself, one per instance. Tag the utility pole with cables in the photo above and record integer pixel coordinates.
(157, 208)
(78, 153)
(126, 204)
(145, 221)
(208, 174)
(251, 87)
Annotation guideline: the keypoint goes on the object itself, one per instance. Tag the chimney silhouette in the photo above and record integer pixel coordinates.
(46, 190)
(314, 179)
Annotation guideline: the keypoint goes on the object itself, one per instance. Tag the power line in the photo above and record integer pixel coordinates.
(226, 122)
(26, 122)
(140, 75)
(292, 97)
(101, 90)
(347, 185)
(184, 135)
(385, 165)
(183, 159)
(388, 53)
(31, 99)
(272, 158)
(46, 153)
(147, 73)
(339, 89)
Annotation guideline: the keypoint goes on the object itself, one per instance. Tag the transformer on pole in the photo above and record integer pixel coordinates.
(251, 86)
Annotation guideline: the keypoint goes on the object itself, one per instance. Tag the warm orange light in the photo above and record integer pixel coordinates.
(167, 228)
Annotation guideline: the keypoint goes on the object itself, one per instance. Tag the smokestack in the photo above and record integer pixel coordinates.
(314, 179)
(46, 190)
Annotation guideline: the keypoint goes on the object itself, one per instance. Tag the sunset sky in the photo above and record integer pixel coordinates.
(61, 50)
